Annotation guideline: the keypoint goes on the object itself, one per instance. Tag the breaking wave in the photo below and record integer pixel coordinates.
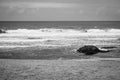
(48, 33)
(60, 32)
(53, 37)
(63, 30)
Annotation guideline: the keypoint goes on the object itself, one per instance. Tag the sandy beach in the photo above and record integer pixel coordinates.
(108, 69)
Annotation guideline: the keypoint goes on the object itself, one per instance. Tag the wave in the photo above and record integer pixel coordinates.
(57, 37)
(53, 33)
(53, 30)
(60, 30)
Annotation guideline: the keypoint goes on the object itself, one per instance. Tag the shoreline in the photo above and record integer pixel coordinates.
(60, 59)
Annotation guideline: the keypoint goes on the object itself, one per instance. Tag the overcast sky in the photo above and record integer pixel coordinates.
(59, 10)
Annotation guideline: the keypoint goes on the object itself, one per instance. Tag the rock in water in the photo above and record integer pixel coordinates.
(90, 50)
(2, 31)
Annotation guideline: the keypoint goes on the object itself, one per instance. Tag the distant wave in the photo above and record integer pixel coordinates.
(104, 30)
(61, 30)
(53, 31)
(56, 33)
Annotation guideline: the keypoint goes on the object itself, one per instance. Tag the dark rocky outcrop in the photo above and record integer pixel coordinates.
(90, 50)
(2, 31)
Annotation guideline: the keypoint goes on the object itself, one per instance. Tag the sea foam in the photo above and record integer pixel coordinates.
(52, 36)
(58, 31)
(51, 32)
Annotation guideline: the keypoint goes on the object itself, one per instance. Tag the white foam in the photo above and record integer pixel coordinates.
(50, 32)
(42, 32)
(40, 37)
(13, 46)
(95, 31)
(114, 30)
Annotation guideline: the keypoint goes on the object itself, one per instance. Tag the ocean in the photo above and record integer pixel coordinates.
(57, 33)
(50, 38)
(59, 24)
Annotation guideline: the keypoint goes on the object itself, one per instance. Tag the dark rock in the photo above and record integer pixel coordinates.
(2, 31)
(90, 50)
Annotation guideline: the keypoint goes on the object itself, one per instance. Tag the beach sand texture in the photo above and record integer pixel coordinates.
(60, 69)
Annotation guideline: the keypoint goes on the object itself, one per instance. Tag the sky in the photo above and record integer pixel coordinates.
(59, 10)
